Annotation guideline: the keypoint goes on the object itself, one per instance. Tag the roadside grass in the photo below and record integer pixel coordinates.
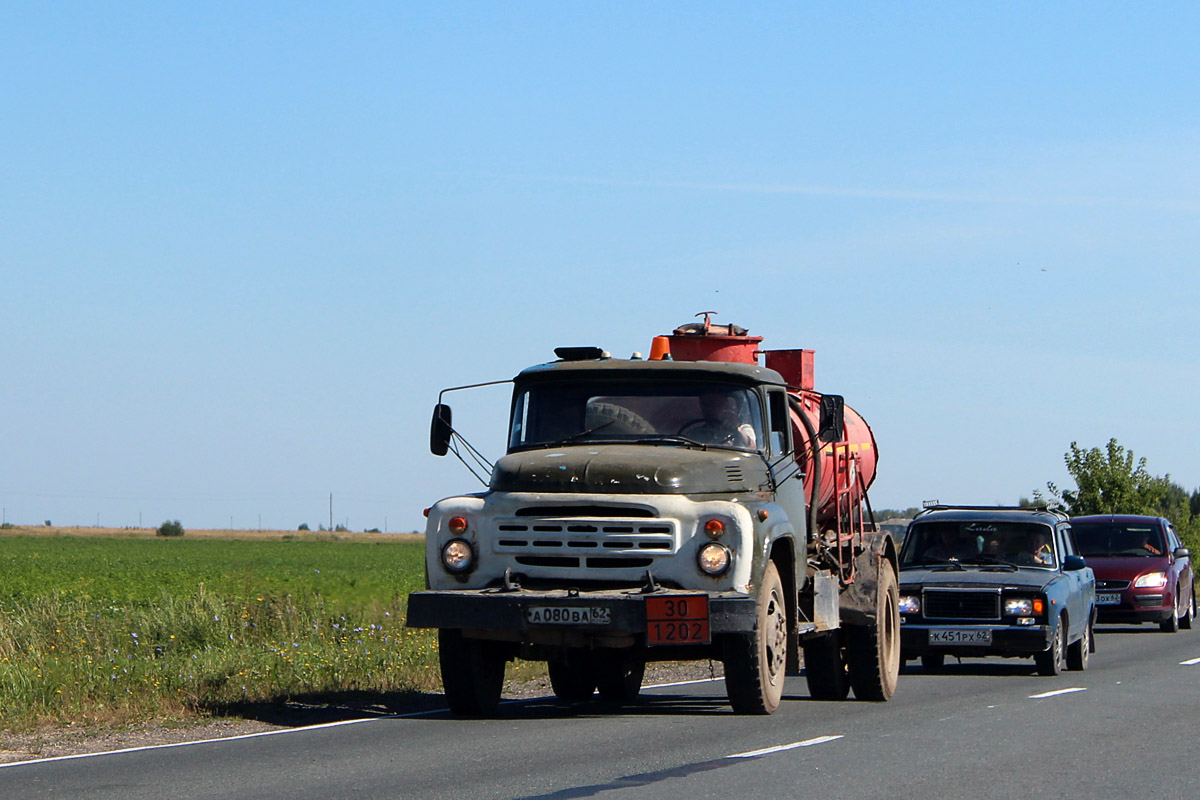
(111, 630)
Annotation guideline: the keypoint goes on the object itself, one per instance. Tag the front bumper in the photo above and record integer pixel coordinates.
(1008, 641)
(505, 614)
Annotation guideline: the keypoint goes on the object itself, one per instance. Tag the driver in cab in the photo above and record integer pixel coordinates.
(722, 421)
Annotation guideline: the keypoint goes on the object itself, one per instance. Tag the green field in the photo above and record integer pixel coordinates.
(106, 630)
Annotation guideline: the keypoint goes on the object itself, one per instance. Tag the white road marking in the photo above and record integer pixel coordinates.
(782, 747)
(296, 730)
(1057, 692)
(197, 741)
(1191, 662)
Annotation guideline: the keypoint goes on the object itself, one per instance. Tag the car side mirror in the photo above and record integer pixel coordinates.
(440, 430)
(1073, 563)
(832, 427)
(1182, 552)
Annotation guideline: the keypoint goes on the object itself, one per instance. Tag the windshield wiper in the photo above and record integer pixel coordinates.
(581, 434)
(672, 438)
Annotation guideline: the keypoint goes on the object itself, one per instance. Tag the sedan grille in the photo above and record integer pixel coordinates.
(1111, 586)
(961, 604)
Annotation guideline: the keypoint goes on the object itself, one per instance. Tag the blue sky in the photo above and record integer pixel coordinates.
(243, 245)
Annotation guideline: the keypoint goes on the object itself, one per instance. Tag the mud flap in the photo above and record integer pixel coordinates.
(825, 601)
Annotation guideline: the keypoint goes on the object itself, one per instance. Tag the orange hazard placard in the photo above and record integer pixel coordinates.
(677, 619)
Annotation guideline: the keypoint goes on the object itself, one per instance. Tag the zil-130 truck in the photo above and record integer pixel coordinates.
(691, 505)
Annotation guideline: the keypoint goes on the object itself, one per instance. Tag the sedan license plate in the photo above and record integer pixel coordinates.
(568, 615)
(960, 636)
(1108, 599)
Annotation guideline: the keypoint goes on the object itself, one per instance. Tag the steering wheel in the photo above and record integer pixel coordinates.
(720, 433)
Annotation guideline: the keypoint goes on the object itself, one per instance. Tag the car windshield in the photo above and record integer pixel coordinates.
(1021, 544)
(1117, 539)
(707, 414)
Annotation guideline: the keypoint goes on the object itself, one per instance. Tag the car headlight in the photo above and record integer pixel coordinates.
(714, 559)
(910, 604)
(1151, 580)
(1018, 607)
(458, 556)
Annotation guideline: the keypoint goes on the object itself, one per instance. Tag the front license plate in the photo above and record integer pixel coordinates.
(1108, 599)
(960, 636)
(568, 615)
(681, 619)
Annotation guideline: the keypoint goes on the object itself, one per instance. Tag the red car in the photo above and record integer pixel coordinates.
(1143, 573)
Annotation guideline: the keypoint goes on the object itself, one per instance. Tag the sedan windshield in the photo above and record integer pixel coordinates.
(1114, 539)
(706, 414)
(1022, 544)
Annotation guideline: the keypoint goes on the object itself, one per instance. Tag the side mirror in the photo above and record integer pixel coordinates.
(440, 430)
(1182, 552)
(1073, 563)
(833, 425)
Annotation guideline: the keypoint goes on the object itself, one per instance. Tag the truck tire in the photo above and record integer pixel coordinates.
(825, 668)
(873, 651)
(472, 673)
(619, 677)
(1053, 661)
(756, 663)
(573, 676)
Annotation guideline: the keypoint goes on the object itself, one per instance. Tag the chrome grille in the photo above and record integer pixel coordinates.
(961, 604)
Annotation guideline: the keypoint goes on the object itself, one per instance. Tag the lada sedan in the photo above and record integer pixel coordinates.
(995, 581)
(1143, 573)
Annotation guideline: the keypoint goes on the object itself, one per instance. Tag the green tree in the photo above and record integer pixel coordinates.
(171, 528)
(1109, 482)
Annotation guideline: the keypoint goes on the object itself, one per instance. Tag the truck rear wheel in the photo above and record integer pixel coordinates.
(619, 677)
(825, 668)
(755, 663)
(472, 673)
(573, 676)
(873, 651)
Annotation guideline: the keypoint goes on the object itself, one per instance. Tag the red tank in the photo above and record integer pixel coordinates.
(845, 467)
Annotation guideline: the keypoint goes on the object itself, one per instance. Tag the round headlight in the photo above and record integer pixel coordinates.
(714, 558)
(458, 556)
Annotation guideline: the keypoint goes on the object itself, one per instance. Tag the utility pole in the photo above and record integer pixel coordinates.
(331, 511)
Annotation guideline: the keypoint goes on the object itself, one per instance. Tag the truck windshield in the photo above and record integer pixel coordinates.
(711, 414)
(1023, 544)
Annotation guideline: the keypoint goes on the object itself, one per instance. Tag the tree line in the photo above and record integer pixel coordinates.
(1111, 480)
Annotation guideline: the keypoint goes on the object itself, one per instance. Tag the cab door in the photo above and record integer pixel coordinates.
(785, 471)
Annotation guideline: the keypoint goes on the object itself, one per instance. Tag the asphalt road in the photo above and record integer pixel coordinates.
(987, 728)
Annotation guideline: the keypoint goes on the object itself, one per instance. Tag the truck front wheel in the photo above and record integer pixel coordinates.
(472, 673)
(755, 663)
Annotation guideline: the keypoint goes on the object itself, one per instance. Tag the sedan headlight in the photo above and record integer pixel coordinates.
(714, 559)
(1018, 607)
(910, 604)
(458, 556)
(1151, 580)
